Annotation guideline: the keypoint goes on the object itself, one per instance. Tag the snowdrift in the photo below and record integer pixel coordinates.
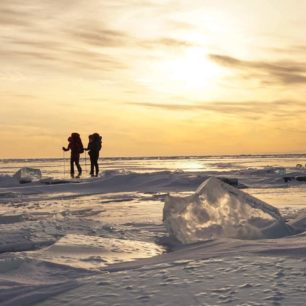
(217, 210)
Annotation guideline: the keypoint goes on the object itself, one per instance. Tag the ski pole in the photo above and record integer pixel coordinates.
(85, 163)
(64, 160)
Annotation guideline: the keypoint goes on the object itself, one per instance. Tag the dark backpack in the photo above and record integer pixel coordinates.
(76, 140)
(81, 148)
(97, 140)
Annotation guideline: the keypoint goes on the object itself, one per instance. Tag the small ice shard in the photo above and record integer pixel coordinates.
(27, 175)
(217, 209)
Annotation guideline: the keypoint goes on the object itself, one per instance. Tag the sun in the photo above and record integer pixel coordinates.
(191, 72)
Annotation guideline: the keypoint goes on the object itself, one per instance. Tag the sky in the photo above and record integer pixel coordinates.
(154, 78)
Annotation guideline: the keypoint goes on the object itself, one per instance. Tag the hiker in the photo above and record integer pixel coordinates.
(76, 147)
(93, 148)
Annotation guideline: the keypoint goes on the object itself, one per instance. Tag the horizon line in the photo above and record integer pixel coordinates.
(162, 156)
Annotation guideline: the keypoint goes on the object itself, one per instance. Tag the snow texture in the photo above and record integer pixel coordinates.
(101, 241)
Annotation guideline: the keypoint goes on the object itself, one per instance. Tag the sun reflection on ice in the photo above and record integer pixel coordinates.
(191, 165)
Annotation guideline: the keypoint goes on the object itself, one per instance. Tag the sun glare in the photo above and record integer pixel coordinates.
(190, 72)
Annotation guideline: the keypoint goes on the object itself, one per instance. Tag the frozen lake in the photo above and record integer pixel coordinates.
(102, 241)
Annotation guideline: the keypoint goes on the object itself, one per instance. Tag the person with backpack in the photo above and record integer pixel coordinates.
(76, 147)
(93, 148)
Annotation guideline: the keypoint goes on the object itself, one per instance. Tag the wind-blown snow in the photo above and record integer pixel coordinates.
(91, 252)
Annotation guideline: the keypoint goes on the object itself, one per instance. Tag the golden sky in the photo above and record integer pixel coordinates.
(189, 77)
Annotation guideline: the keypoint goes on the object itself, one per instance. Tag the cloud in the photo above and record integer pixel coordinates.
(48, 37)
(283, 72)
(287, 109)
(76, 36)
(167, 42)
(57, 56)
(98, 35)
(7, 94)
(300, 48)
(180, 25)
(61, 60)
(9, 17)
(39, 42)
(296, 50)
(84, 59)
(26, 55)
(172, 107)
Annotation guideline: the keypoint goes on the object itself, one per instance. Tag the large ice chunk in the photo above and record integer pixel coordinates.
(27, 175)
(217, 209)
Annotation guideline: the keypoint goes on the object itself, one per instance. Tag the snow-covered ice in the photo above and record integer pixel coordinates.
(102, 241)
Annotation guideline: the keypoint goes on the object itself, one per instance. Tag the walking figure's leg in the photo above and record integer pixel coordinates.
(92, 165)
(77, 162)
(97, 166)
(72, 167)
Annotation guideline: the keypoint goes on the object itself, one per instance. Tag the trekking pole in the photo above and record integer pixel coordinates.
(85, 163)
(64, 160)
